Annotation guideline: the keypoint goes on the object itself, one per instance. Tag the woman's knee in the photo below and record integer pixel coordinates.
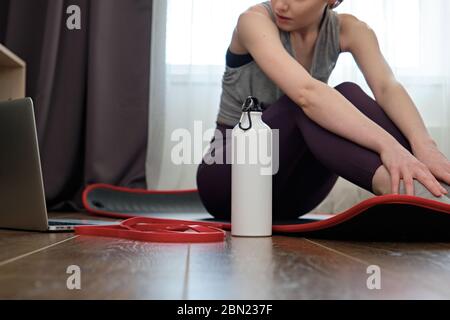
(283, 115)
(284, 106)
(348, 87)
(360, 99)
(355, 94)
(370, 107)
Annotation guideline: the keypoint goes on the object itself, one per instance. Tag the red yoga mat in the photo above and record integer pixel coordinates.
(382, 218)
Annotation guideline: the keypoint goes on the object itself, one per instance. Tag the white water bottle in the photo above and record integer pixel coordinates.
(251, 174)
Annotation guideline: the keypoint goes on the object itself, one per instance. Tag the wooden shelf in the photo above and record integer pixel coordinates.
(12, 75)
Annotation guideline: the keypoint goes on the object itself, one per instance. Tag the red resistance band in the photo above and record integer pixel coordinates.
(157, 230)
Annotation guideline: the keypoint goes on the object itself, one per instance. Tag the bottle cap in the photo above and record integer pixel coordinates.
(252, 104)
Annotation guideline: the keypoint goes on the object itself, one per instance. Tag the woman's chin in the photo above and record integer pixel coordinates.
(284, 28)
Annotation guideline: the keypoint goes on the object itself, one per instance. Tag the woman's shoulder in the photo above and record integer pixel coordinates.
(349, 24)
(347, 20)
(235, 46)
(259, 7)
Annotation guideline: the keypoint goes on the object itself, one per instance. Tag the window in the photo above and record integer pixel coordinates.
(199, 31)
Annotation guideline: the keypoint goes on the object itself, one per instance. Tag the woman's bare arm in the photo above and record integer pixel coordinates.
(361, 41)
(323, 104)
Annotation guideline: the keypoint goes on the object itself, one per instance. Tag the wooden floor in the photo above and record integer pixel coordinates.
(34, 265)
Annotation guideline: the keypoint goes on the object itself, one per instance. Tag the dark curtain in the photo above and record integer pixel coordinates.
(90, 88)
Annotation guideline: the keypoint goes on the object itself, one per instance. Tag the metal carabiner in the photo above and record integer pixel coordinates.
(249, 120)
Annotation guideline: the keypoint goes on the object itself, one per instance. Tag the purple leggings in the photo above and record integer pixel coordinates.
(311, 159)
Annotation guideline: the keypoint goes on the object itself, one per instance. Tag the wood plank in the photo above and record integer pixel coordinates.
(239, 268)
(18, 243)
(284, 268)
(110, 269)
(420, 266)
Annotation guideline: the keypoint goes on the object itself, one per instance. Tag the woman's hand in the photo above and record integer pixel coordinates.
(401, 164)
(434, 159)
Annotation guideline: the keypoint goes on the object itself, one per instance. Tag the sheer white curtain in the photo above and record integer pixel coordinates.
(190, 38)
(189, 42)
(414, 37)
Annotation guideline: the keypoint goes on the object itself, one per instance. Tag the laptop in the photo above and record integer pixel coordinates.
(22, 197)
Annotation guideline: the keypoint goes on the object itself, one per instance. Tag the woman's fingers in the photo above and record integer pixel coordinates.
(436, 174)
(403, 165)
(395, 180)
(443, 190)
(441, 175)
(409, 183)
(447, 178)
(431, 178)
(430, 182)
(441, 172)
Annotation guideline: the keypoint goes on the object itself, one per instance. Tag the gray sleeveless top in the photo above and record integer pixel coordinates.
(250, 80)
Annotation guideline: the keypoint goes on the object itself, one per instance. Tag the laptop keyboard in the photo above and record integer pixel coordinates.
(62, 223)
